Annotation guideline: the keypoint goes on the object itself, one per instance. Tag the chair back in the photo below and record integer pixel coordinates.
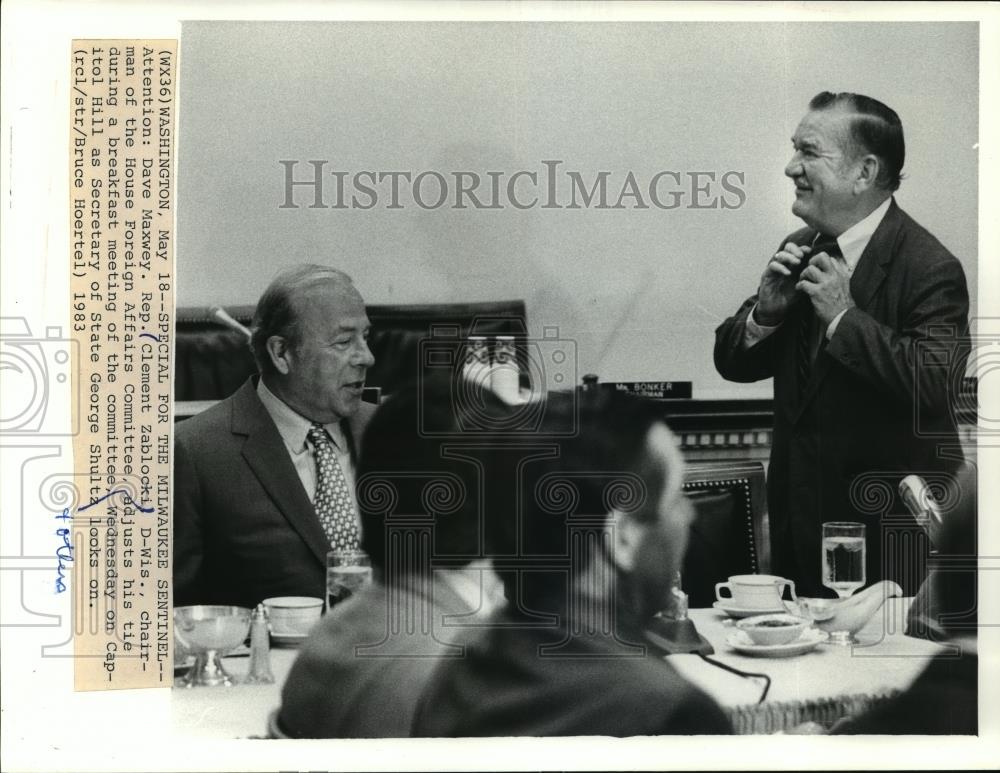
(729, 532)
(214, 361)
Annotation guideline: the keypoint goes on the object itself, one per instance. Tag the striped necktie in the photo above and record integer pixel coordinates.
(333, 502)
(810, 337)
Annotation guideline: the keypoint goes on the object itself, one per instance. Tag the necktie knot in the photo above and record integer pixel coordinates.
(317, 434)
(827, 244)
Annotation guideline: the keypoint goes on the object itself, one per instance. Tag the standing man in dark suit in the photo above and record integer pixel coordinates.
(860, 319)
(264, 480)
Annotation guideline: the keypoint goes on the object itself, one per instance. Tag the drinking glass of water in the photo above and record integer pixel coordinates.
(347, 572)
(843, 563)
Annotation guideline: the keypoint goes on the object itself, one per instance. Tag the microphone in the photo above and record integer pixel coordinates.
(222, 316)
(916, 495)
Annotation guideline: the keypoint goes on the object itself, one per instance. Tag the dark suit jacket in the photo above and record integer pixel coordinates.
(505, 687)
(244, 528)
(877, 406)
(336, 690)
(943, 700)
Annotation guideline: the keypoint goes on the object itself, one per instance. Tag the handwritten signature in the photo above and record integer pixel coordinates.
(64, 553)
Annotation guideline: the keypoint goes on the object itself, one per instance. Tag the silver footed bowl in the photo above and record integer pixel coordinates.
(208, 632)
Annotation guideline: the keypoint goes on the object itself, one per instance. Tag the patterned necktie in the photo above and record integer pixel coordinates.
(333, 502)
(810, 336)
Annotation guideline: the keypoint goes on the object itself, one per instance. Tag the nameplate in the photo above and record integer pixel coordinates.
(659, 390)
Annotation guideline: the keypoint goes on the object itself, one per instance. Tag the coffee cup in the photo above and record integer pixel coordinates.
(293, 615)
(754, 591)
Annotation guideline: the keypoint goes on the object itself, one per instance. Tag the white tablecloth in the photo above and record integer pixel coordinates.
(886, 660)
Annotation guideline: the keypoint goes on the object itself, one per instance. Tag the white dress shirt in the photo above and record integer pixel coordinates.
(852, 245)
(293, 429)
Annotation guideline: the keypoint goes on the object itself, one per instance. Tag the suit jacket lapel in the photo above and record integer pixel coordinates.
(268, 458)
(870, 271)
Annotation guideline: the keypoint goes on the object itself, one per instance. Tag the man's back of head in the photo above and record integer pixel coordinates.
(411, 473)
(366, 664)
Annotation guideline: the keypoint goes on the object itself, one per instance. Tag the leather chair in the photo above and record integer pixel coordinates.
(213, 361)
(729, 533)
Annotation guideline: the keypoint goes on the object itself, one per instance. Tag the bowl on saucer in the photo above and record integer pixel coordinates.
(810, 638)
(770, 630)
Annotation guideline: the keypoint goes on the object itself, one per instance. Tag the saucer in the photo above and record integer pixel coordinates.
(734, 611)
(743, 644)
(288, 639)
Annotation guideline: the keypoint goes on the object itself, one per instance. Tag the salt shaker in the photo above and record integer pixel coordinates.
(260, 649)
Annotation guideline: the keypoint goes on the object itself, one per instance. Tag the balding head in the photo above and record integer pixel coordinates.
(309, 339)
(278, 311)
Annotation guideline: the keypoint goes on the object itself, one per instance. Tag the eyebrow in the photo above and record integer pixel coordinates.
(352, 328)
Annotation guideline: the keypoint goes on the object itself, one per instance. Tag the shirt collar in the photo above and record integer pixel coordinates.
(853, 241)
(292, 426)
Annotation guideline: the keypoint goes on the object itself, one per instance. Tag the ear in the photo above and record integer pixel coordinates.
(868, 169)
(628, 535)
(280, 353)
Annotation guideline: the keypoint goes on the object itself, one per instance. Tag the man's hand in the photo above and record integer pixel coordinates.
(827, 282)
(778, 284)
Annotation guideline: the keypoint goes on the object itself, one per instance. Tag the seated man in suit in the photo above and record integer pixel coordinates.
(599, 528)
(263, 481)
(365, 665)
